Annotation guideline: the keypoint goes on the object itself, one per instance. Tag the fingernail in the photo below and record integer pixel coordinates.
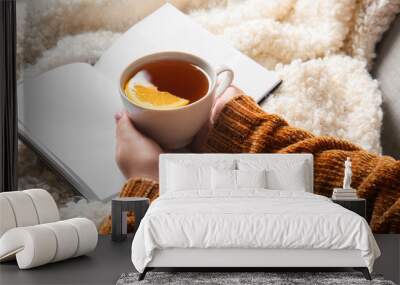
(118, 116)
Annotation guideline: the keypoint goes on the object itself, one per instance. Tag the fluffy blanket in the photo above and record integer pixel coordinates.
(321, 49)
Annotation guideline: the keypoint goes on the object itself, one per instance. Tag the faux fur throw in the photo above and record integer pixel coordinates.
(322, 49)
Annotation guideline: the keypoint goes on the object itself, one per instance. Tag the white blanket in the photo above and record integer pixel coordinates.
(250, 219)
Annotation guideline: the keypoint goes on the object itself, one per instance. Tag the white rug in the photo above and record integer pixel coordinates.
(321, 49)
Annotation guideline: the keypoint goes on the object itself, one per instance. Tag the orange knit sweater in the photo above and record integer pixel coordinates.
(243, 127)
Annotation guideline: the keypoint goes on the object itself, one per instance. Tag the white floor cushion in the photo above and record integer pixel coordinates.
(66, 237)
(45, 205)
(26, 208)
(23, 208)
(87, 235)
(40, 244)
(32, 246)
(7, 220)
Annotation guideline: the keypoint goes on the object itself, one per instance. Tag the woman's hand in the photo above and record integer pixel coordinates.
(136, 154)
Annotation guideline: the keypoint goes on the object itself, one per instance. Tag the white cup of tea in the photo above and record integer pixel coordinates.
(175, 128)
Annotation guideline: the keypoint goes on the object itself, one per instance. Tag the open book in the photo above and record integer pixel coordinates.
(66, 114)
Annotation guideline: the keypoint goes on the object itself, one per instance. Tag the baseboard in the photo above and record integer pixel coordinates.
(389, 262)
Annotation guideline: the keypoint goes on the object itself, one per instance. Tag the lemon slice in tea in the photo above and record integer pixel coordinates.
(150, 97)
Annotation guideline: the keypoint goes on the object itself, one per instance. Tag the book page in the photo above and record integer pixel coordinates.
(168, 29)
(67, 114)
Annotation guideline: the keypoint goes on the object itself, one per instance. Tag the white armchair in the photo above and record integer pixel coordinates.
(31, 232)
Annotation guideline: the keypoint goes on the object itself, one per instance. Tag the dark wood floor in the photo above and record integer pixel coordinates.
(103, 266)
(106, 264)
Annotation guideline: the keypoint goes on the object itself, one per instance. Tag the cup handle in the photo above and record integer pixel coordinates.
(227, 80)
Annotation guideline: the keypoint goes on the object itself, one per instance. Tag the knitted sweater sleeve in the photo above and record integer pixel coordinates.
(243, 127)
(134, 187)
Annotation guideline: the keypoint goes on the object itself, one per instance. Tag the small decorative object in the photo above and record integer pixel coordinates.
(119, 209)
(347, 174)
(345, 193)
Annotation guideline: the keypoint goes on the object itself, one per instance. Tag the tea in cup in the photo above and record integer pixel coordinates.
(169, 95)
